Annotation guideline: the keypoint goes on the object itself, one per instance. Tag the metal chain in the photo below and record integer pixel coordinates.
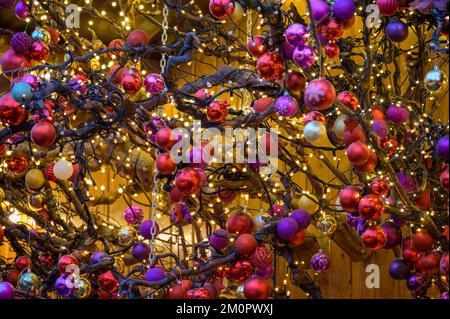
(165, 26)
(246, 95)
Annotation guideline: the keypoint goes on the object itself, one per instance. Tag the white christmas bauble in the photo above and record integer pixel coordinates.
(63, 169)
(315, 132)
(339, 126)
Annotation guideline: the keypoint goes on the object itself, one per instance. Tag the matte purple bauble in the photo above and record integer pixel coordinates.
(146, 228)
(343, 9)
(416, 282)
(6, 4)
(61, 287)
(264, 273)
(21, 43)
(320, 262)
(288, 50)
(407, 182)
(304, 56)
(399, 269)
(97, 257)
(140, 251)
(442, 148)
(319, 9)
(219, 239)
(302, 218)
(381, 128)
(6, 290)
(397, 31)
(287, 228)
(154, 274)
(297, 34)
(21, 10)
(286, 105)
(397, 114)
(133, 215)
(154, 83)
(393, 233)
(352, 220)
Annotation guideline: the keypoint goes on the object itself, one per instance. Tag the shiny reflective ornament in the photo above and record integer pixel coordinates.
(270, 66)
(28, 281)
(40, 52)
(257, 46)
(320, 262)
(326, 224)
(240, 292)
(222, 9)
(83, 290)
(63, 169)
(315, 133)
(435, 81)
(41, 35)
(126, 235)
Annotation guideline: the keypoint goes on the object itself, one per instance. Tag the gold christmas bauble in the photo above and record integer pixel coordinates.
(34, 179)
(36, 202)
(126, 235)
(435, 81)
(84, 289)
(326, 224)
(41, 35)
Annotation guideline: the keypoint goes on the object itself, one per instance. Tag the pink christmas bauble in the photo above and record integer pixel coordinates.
(304, 56)
(131, 81)
(349, 198)
(188, 181)
(43, 134)
(349, 99)
(222, 9)
(286, 105)
(154, 83)
(387, 7)
(358, 153)
(137, 38)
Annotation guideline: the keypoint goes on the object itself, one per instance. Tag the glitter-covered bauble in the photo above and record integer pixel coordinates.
(21, 10)
(154, 83)
(257, 288)
(43, 134)
(319, 94)
(371, 207)
(374, 238)
(297, 34)
(416, 282)
(137, 38)
(39, 51)
(435, 81)
(332, 30)
(286, 106)
(17, 164)
(133, 214)
(332, 50)
(442, 148)
(188, 181)
(399, 269)
(320, 262)
(217, 111)
(343, 9)
(349, 99)
(65, 262)
(126, 235)
(84, 289)
(387, 7)
(22, 92)
(10, 61)
(397, 114)
(11, 112)
(257, 46)
(108, 282)
(270, 66)
(6, 290)
(28, 281)
(41, 35)
(353, 220)
(146, 229)
(397, 31)
(131, 81)
(304, 56)
(241, 270)
(326, 224)
(222, 9)
(21, 43)
(262, 258)
(140, 251)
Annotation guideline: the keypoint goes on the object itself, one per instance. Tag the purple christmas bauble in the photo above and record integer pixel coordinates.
(393, 233)
(444, 295)
(154, 83)
(397, 114)
(146, 228)
(397, 31)
(407, 182)
(6, 290)
(31, 80)
(397, 221)
(154, 274)
(304, 56)
(297, 34)
(343, 9)
(21, 10)
(302, 218)
(6, 4)
(140, 251)
(21, 43)
(286, 105)
(219, 239)
(287, 228)
(133, 215)
(399, 269)
(319, 9)
(353, 219)
(320, 262)
(416, 282)
(64, 288)
(97, 257)
(381, 128)
(442, 148)
(288, 50)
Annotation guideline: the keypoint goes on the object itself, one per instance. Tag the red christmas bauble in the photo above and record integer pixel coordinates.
(116, 43)
(200, 293)
(423, 201)
(319, 94)
(444, 180)
(39, 51)
(379, 186)
(298, 239)
(371, 207)
(17, 164)
(222, 9)
(332, 50)
(262, 104)
(332, 30)
(387, 7)
(46, 259)
(188, 181)
(428, 264)
(262, 258)
(246, 245)
(164, 164)
(239, 223)
(409, 253)
(349, 99)
(353, 132)
(131, 81)
(369, 165)
(48, 173)
(257, 288)
(117, 75)
(422, 241)
(166, 138)
(358, 153)
(227, 195)
(176, 196)
(374, 238)
(43, 134)
(11, 112)
(137, 38)
(241, 270)
(10, 61)
(389, 145)
(270, 65)
(217, 111)
(45, 115)
(108, 282)
(12, 276)
(22, 262)
(295, 81)
(349, 198)
(377, 113)
(256, 46)
(65, 261)
(176, 292)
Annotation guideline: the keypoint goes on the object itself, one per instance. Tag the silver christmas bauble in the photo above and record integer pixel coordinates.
(435, 81)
